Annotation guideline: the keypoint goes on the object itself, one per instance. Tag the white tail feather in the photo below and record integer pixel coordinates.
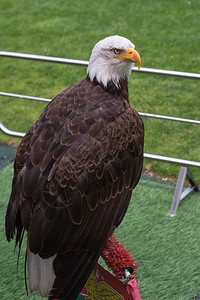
(41, 275)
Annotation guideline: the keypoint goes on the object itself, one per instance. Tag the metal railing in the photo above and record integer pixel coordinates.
(184, 172)
(85, 63)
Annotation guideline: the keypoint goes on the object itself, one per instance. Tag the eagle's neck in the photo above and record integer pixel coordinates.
(120, 90)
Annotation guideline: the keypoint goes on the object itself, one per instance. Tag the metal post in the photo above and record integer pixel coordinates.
(178, 194)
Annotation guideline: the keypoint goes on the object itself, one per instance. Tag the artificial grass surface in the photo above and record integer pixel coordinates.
(166, 249)
(166, 34)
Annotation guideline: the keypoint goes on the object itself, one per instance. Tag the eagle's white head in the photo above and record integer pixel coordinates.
(112, 59)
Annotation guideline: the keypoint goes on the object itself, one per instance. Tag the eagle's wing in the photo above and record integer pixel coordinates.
(74, 173)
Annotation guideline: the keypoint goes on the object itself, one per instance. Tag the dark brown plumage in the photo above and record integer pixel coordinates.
(73, 177)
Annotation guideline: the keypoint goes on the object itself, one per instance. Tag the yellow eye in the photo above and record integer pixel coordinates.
(116, 51)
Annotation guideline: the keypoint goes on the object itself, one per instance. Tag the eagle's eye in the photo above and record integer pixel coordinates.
(116, 51)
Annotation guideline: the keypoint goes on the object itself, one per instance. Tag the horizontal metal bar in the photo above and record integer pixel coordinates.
(178, 161)
(169, 118)
(44, 58)
(169, 73)
(24, 97)
(141, 113)
(85, 63)
(182, 162)
(10, 132)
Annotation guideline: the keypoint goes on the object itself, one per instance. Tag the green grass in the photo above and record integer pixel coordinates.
(166, 34)
(166, 249)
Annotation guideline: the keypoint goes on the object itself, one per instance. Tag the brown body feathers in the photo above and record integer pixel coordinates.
(73, 177)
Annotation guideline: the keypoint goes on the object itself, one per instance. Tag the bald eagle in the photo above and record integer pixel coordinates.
(74, 173)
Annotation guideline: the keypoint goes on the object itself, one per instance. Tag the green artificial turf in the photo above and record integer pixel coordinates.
(166, 34)
(166, 249)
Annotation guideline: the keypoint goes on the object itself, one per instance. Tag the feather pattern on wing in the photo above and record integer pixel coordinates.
(73, 177)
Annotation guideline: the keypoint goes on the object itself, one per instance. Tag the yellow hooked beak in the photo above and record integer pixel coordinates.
(131, 55)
